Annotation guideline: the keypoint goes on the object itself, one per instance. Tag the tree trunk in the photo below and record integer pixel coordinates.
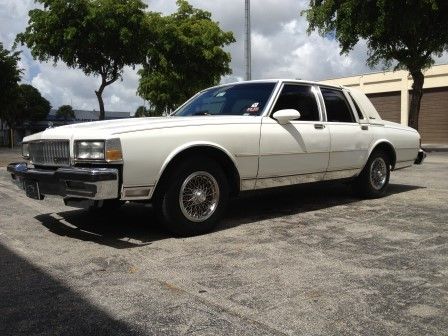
(417, 93)
(99, 95)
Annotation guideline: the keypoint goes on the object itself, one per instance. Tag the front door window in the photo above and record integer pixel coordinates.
(300, 98)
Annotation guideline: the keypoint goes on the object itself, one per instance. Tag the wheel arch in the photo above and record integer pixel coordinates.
(386, 146)
(210, 150)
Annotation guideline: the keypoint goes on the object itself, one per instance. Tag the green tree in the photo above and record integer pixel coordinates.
(9, 81)
(31, 106)
(404, 33)
(141, 112)
(65, 112)
(100, 37)
(184, 56)
(28, 105)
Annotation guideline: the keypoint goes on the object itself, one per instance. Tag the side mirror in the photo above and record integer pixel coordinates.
(285, 116)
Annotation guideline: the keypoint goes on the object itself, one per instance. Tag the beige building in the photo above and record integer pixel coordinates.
(390, 93)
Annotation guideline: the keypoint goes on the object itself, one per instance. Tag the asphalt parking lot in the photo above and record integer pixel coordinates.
(310, 260)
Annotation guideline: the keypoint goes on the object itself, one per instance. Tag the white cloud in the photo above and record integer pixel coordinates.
(115, 99)
(63, 85)
(13, 19)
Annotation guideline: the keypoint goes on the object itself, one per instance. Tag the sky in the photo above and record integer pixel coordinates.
(281, 48)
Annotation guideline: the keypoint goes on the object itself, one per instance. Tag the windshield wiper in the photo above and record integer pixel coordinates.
(201, 113)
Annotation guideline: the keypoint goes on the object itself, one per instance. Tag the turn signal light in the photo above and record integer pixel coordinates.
(114, 155)
(113, 151)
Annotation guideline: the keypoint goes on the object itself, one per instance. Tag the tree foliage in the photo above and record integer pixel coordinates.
(10, 74)
(407, 33)
(100, 37)
(29, 106)
(65, 112)
(185, 55)
(32, 106)
(143, 111)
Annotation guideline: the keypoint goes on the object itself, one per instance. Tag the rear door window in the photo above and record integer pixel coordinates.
(337, 106)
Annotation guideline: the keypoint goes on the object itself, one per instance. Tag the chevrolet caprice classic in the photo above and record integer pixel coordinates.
(225, 140)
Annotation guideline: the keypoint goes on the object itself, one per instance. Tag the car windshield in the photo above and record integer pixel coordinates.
(237, 99)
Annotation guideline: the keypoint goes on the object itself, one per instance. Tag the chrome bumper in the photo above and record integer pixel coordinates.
(87, 183)
(420, 157)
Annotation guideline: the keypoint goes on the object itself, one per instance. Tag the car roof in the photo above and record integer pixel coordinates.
(283, 80)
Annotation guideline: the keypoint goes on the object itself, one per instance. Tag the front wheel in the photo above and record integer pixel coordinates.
(374, 178)
(193, 198)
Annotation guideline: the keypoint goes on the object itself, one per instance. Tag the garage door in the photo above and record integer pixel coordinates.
(433, 118)
(388, 105)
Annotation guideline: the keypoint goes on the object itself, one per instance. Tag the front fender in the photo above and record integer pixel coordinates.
(190, 145)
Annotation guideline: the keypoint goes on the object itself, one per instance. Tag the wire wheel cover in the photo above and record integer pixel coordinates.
(199, 196)
(378, 173)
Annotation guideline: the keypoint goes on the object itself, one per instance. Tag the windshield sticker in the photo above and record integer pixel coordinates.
(254, 108)
(221, 94)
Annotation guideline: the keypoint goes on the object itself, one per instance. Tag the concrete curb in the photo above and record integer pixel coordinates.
(435, 148)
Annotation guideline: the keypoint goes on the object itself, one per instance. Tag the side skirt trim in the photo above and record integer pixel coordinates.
(278, 181)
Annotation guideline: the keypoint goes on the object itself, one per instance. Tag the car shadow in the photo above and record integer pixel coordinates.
(277, 202)
(135, 225)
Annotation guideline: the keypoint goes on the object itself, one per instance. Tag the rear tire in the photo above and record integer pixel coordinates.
(374, 178)
(193, 198)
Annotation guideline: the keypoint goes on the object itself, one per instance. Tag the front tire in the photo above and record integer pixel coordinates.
(193, 197)
(374, 178)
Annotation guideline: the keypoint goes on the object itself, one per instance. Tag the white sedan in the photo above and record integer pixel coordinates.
(225, 140)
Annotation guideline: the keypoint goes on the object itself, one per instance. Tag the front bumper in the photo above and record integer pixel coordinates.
(87, 183)
(420, 157)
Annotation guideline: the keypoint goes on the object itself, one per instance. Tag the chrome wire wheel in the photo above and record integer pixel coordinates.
(378, 173)
(199, 196)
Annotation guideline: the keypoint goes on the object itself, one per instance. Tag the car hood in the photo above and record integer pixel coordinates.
(112, 128)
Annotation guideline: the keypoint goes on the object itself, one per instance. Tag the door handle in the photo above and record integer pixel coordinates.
(364, 127)
(319, 126)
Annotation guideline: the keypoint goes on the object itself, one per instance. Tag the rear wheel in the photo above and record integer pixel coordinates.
(374, 178)
(193, 197)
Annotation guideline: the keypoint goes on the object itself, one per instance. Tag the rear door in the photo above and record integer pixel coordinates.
(350, 135)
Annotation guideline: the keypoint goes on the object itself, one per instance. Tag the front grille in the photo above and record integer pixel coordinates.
(50, 153)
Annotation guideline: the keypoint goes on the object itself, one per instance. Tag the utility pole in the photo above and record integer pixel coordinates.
(248, 41)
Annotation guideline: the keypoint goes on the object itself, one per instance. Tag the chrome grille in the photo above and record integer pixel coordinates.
(50, 153)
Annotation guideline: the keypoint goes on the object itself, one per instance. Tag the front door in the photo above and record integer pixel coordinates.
(298, 151)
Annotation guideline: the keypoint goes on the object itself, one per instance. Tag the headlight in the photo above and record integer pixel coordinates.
(109, 150)
(89, 150)
(25, 151)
